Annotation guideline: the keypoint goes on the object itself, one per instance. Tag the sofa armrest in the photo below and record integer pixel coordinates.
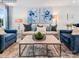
(75, 43)
(2, 43)
(66, 31)
(11, 31)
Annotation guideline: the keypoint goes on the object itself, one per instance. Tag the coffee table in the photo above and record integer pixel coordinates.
(50, 40)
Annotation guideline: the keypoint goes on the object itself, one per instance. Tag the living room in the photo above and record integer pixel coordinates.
(55, 21)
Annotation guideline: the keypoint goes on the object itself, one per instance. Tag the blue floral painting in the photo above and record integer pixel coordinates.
(32, 15)
(39, 15)
(45, 15)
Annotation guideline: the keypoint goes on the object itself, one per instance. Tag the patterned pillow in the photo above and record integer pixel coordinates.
(27, 27)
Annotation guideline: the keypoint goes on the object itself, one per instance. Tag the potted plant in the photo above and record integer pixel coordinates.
(39, 36)
(69, 25)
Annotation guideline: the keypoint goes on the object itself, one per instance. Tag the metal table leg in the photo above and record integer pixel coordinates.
(60, 50)
(33, 51)
(47, 49)
(19, 50)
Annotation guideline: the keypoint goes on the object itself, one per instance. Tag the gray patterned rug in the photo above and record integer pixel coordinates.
(38, 50)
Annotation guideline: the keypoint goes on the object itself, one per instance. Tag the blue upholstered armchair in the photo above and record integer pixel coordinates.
(71, 41)
(7, 39)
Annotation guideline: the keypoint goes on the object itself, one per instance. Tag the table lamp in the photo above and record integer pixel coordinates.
(19, 21)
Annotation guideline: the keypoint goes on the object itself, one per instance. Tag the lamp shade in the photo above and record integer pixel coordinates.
(18, 20)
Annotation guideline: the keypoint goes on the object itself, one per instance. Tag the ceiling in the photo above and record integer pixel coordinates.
(28, 3)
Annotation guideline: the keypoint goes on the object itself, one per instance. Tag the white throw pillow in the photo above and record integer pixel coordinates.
(34, 26)
(2, 31)
(75, 30)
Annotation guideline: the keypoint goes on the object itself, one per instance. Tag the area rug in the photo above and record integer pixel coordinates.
(13, 51)
(38, 50)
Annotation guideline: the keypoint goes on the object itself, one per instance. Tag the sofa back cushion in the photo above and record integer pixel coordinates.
(27, 27)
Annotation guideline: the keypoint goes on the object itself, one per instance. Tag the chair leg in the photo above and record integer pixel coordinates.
(1, 52)
(15, 40)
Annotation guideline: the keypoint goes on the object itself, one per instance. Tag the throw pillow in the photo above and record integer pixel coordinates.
(53, 28)
(34, 27)
(27, 27)
(48, 28)
(2, 31)
(77, 25)
(76, 30)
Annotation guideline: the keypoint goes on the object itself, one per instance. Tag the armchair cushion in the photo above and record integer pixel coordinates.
(9, 36)
(68, 36)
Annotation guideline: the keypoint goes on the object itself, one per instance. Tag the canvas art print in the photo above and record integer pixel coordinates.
(32, 15)
(39, 15)
(45, 15)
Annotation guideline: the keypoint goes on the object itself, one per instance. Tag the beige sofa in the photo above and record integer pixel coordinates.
(41, 29)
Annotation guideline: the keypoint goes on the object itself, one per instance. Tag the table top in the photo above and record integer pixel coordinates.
(50, 39)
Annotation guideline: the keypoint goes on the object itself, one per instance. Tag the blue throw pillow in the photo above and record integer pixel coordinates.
(53, 28)
(77, 25)
(27, 27)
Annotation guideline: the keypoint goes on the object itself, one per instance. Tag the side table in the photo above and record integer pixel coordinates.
(19, 35)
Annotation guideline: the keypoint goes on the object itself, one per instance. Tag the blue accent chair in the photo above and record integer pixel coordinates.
(7, 39)
(71, 41)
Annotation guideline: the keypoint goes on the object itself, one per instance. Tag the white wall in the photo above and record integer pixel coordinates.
(73, 15)
(4, 16)
(62, 9)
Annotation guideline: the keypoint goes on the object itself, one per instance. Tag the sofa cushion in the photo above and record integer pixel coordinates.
(28, 33)
(9, 36)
